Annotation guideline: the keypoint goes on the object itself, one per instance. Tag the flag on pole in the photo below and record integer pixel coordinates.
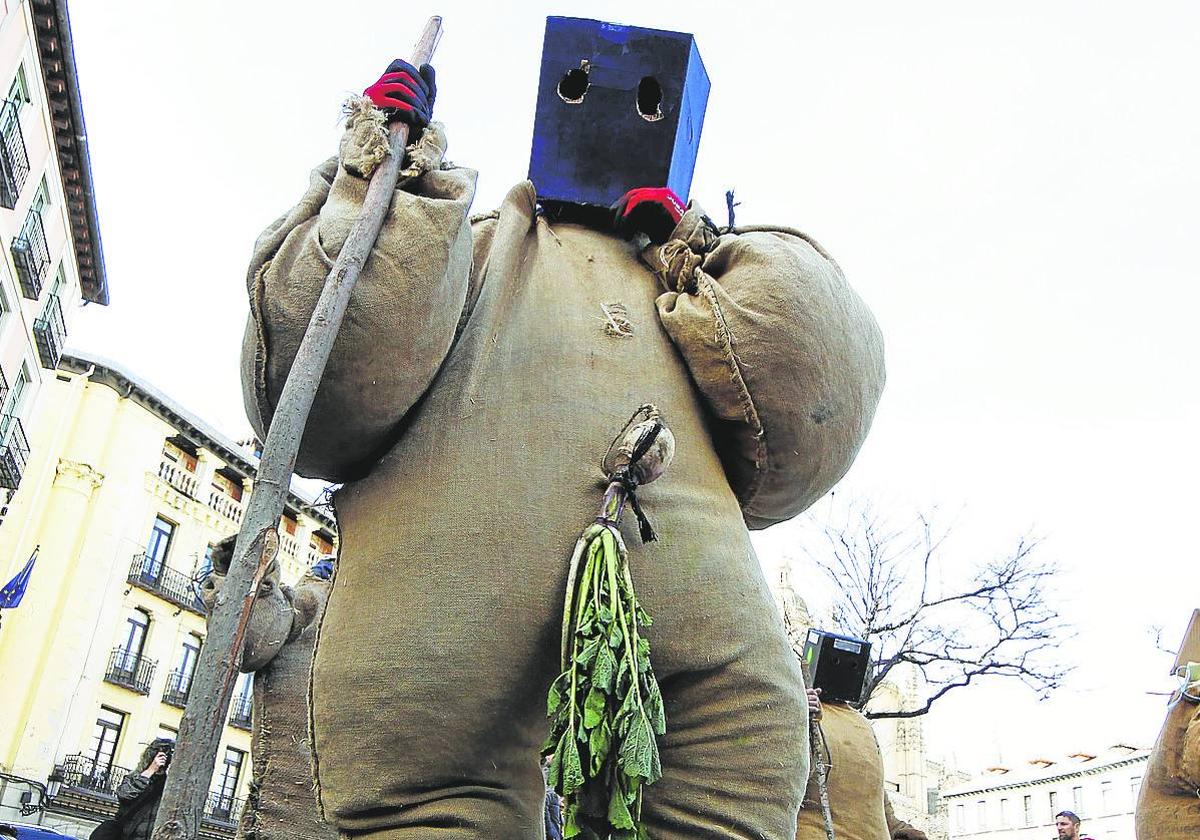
(14, 590)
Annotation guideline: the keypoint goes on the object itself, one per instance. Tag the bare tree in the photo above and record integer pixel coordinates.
(997, 620)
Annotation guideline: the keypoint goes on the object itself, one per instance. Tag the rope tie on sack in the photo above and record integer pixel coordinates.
(629, 479)
(680, 266)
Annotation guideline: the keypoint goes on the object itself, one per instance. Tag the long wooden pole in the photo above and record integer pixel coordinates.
(191, 770)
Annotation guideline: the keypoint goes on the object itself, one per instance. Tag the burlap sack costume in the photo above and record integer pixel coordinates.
(857, 799)
(473, 390)
(1168, 806)
(282, 804)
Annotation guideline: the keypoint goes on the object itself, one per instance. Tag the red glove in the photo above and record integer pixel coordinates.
(405, 94)
(654, 211)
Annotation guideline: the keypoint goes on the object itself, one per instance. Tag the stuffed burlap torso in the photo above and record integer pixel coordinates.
(442, 629)
(856, 795)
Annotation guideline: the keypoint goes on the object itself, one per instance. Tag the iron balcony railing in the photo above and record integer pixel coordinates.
(130, 670)
(240, 711)
(50, 333)
(153, 575)
(31, 255)
(179, 685)
(84, 774)
(223, 809)
(14, 452)
(14, 160)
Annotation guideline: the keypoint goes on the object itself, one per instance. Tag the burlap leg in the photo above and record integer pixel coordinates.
(735, 757)
(461, 814)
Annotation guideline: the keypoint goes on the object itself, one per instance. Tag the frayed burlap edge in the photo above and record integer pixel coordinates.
(364, 144)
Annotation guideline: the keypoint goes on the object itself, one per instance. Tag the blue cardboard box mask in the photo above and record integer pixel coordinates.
(618, 107)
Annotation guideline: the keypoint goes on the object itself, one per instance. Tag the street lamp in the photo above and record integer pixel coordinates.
(54, 782)
(49, 792)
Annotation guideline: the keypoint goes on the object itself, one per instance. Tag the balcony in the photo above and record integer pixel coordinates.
(315, 556)
(31, 256)
(14, 452)
(14, 160)
(153, 575)
(223, 809)
(226, 505)
(289, 546)
(240, 712)
(82, 774)
(179, 477)
(130, 670)
(179, 685)
(50, 333)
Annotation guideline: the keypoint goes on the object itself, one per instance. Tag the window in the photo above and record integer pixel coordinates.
(157, 547)
(16, 394)
(136, 625)
(981, 813)
(105, 737)
(165, 731)
(1028, 810)
(1106, 797)
(960, 817)
(1005, 816)
(41, 198)
(59, 281)
(244, 688)
(18, 91)
(187, 661)
(1053, 803)
(1077, 799)
(1135, 789)
(231, 772)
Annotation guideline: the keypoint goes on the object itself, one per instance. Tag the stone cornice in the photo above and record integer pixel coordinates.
(77, 476)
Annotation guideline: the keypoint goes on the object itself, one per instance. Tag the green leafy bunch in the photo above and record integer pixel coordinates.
(605, 707)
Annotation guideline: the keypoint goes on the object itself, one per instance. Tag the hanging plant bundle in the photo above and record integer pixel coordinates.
(605, 708)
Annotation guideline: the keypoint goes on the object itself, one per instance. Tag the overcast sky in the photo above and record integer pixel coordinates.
(1012, 188)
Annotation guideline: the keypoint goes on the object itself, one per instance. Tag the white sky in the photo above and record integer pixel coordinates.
(1012, 187)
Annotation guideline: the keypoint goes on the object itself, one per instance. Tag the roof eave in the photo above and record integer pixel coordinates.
(56, 53)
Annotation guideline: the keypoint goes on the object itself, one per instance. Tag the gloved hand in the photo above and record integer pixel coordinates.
(653, 211)
(405, 94)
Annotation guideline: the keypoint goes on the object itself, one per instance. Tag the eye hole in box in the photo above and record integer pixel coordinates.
(649, 99)
(574, 85)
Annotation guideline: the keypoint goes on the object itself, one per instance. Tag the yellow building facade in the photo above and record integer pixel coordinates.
(124, 494)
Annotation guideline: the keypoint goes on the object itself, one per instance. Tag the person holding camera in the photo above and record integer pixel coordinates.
(138, 796)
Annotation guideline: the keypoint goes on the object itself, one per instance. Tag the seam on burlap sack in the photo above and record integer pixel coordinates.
(312, 731)
(725, 338)
(260, 345)
(681, 269)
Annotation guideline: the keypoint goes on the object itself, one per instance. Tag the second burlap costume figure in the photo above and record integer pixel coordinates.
(475, 386)
(278, 649)
(1168, 806)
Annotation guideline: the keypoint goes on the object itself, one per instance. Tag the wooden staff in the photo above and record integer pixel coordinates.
(819, 751)
(187, 786)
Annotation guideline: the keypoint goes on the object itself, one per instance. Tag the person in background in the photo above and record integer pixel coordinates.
(1067, 824)
(138, 796)
(554, 819)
